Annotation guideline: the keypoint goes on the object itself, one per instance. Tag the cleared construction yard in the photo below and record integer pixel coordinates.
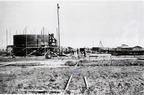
(123, 76)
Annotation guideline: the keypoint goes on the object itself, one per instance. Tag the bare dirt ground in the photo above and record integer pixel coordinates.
(104, 77)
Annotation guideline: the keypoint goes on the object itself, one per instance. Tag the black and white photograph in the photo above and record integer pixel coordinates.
(72, 47)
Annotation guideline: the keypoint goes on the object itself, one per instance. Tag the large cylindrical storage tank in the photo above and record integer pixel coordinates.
(25, 44)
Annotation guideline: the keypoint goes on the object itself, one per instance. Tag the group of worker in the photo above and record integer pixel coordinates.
(81, 52)
(78, 53)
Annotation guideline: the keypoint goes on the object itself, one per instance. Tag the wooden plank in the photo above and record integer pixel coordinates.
(67, 85)
(86, 82)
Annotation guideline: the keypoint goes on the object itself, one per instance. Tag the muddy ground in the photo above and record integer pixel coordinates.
(104, 77)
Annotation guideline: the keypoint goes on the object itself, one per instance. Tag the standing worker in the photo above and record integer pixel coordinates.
(84, 52)
(78, 53)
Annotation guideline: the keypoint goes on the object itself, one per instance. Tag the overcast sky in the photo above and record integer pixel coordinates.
(82, 23)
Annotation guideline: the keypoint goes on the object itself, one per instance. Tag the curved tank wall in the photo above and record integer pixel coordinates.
(30, 40)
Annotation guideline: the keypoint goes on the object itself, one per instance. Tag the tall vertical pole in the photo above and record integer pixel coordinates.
(43, 36)
(58, 28)
(41, 43)
(26, 39)
(10, 35)
(6, 38)
(44, 40)
(48, 39)
(57, 37)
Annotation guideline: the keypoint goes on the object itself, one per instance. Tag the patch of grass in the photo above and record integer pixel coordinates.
(111, 63)
(6, 88)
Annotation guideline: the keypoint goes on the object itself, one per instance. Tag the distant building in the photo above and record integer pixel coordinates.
(126, 50)
(95, 49)
(124, 47)
(137, 48)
